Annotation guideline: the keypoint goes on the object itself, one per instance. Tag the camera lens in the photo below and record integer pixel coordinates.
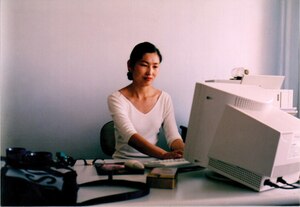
(15, 155)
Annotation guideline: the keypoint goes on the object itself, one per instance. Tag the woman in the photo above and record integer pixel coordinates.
(139, 110)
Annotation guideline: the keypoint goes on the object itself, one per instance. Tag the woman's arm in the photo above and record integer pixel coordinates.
(170, 128)
(177, 146)
(141, 144)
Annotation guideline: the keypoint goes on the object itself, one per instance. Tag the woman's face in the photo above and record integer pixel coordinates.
(146, 69)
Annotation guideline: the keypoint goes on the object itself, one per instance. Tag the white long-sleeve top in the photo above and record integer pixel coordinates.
(129, 120)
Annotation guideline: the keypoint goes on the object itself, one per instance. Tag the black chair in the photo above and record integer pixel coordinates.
(183, 132)
(107, 138)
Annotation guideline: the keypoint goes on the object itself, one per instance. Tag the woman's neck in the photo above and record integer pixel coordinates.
(141, 92)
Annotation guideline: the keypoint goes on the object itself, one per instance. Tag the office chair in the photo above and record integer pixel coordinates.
(183, 132)
(107, 138)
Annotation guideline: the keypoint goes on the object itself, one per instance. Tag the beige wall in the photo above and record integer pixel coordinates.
(60, 59)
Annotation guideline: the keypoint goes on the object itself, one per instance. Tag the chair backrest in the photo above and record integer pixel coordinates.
(183, 132)
(107, 138)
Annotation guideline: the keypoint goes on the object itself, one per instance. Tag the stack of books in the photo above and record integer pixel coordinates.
(162, 178)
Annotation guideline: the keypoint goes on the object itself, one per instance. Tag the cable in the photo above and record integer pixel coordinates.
(271, 184)
(281, 180)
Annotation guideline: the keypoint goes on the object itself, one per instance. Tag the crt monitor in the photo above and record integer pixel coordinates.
(208, 104)
(235, 130)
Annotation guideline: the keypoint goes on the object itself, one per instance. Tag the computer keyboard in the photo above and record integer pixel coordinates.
(166, 163)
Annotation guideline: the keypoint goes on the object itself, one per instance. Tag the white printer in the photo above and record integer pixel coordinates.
(283, 98)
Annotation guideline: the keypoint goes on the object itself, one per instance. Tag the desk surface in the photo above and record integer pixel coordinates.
(193, 188)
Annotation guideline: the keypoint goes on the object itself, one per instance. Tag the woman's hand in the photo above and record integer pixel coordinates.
(177, 150)
(176, 154)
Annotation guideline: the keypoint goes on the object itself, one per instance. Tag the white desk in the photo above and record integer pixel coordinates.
(193, 188)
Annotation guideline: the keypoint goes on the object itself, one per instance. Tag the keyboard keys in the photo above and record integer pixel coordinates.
(166, 163)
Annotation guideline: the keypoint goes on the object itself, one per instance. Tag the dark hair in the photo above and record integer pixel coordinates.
(138, 52)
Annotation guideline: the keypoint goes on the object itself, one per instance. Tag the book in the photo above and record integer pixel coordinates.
(116, 169)
(162, 178)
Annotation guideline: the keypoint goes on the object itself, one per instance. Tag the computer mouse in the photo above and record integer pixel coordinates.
(134, 164)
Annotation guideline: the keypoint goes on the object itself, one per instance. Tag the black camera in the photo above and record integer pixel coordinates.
(22, 158)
